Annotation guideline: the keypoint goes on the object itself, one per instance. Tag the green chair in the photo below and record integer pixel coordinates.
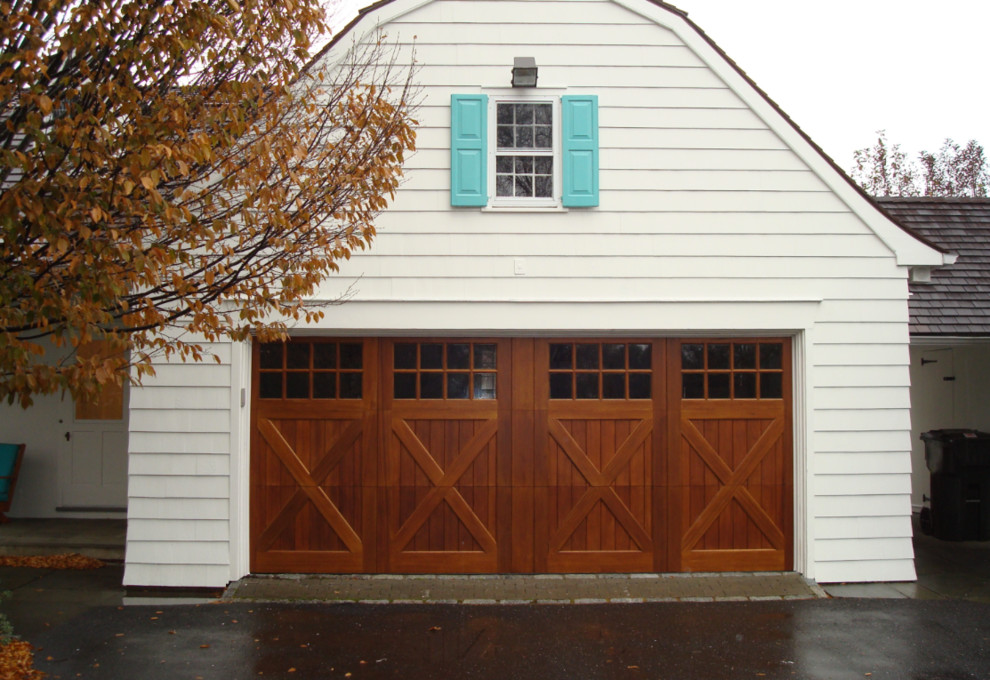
(10, 466)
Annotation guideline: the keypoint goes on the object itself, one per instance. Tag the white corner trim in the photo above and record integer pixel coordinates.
(240, 461)
(802, 390)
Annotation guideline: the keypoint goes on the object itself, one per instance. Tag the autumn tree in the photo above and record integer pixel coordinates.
(884, 170)
(954, 170)
(173, 169)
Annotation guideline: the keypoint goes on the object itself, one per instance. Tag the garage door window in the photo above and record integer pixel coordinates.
(600, 370)
(438, 370)
(311, 369)
(732, 370)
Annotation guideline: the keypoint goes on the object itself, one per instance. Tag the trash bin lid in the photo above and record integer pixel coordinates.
(954, 435)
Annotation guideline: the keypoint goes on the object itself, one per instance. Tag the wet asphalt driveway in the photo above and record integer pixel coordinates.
(834, 639)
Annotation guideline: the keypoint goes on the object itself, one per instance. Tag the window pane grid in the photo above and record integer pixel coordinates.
(732, 370)
(601, 371)
(310, 369)
(527, 128)
(453, 370)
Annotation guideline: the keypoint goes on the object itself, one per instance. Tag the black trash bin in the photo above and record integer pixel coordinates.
(959, 461)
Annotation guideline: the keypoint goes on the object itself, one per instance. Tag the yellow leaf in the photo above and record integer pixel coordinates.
(148, 184)
(45, 104)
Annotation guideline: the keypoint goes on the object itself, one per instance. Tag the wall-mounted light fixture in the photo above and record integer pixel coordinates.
(524, 72)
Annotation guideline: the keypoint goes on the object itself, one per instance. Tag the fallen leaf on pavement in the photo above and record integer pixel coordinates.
(66, 561)
(17, 661)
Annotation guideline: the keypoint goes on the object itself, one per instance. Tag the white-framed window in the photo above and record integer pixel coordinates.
(505, 154)
(524, 166)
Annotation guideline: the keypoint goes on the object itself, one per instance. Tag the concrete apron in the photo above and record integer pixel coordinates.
(525, 589)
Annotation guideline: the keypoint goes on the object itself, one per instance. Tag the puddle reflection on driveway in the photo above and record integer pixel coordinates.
(832, 639)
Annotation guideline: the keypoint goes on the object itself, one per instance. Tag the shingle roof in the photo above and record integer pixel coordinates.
(957, 301)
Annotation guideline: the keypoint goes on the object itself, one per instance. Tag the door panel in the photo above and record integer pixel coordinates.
(313, 464)
(444, 401)
(732, 434)
(595, 449)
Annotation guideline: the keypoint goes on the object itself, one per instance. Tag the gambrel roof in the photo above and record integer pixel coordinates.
(957, 301)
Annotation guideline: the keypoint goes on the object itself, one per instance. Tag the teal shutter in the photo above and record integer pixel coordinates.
(469, 149)
(579, 120)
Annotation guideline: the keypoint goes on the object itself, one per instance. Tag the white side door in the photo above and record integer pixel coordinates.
(92, 469)
(932, 408)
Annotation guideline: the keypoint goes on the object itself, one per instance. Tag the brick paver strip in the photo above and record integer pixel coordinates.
(574, 588)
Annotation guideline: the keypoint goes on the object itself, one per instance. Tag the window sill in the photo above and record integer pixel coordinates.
(525, 209)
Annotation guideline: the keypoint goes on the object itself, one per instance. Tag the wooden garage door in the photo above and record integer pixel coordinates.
(731, 457)
(523, 455)
(446, 414)
(597, 444)
(313, 472)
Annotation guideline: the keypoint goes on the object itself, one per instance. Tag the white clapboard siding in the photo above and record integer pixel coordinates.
(577, 273)
(166, 574)
(864, 355)
(187, 509)
(843, 549)
(863, 441)
(882, 462)
(178, 464)
(862, 376)
(876, 527)
(843, 398)
(203, 443)
(529, 34)
(863, 419)
(550, 56)
(427, 179)
(645, 246)
(863, 506)
(631, 116)
(886, 569)
(178, 530)
(584, 77)
(165, 398)
(578, 222)
(856, 482)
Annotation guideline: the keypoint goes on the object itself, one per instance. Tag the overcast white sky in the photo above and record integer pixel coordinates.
(843, 69)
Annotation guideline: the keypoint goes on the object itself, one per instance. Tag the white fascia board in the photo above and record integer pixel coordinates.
(908, 250)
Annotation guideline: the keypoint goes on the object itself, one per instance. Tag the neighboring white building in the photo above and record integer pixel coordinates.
(685, 350)
(949, 324)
